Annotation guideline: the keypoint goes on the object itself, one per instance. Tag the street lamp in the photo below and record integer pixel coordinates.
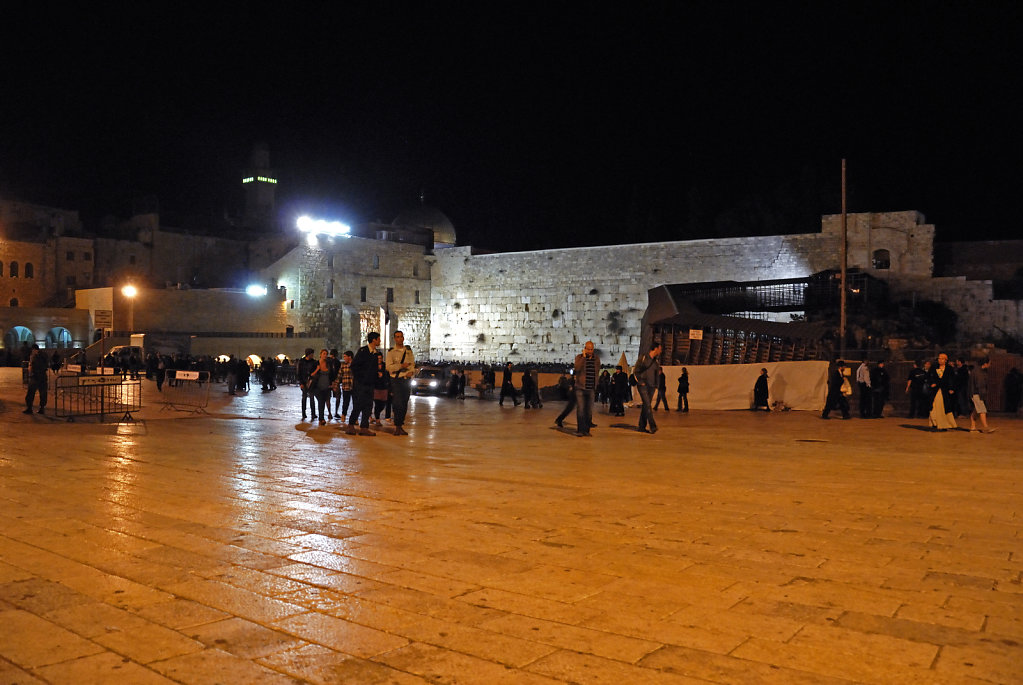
(130, 292)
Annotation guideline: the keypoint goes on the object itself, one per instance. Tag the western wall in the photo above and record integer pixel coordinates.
(542, 305)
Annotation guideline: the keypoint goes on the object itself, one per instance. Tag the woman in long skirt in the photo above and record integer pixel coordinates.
(940, 384)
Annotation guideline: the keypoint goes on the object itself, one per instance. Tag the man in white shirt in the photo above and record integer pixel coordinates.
(401, 366)
(863, 382)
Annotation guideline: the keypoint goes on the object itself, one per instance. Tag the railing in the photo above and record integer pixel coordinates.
(78, 395)
(185, 391)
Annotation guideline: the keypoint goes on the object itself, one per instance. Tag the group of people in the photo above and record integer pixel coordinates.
(940, 392)
(363, 385)
(950, 390)
(647, 377)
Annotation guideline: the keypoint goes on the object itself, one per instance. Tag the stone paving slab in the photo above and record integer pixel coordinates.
(244, 546)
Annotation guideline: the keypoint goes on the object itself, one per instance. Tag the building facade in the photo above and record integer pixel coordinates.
(453, 303)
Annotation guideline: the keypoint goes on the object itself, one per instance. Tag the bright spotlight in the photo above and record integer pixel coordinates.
(312, 226)
(129, 291)
(256, 290)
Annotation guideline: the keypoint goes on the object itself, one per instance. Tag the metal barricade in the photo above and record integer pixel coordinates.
(186, 391)
(77, 395)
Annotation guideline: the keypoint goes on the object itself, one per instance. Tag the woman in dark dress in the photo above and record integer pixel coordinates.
(683, 391)
(760, 392)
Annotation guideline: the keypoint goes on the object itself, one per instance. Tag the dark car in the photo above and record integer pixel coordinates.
(428, 381)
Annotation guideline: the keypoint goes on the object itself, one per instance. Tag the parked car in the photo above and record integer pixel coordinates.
(428, 381)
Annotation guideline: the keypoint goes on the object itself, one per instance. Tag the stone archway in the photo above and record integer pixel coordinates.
(58, 337)
(19, 339)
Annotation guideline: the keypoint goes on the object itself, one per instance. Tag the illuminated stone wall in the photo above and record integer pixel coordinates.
(543, 305)
(324, 290)
(28, 292)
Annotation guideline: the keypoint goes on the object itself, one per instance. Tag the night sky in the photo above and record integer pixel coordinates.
(531, 125)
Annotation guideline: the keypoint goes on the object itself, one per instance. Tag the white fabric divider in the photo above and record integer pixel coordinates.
(800, 385)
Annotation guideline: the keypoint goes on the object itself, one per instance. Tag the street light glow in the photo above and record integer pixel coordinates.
(129, 291)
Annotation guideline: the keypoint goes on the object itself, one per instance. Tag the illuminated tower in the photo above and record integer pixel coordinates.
(260, 183)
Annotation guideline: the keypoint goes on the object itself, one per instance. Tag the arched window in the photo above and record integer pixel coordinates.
(14, 269)
(58, 337)
(18, 337)
(14, 302)
(882, 259)
(29, 270)
(1, 268)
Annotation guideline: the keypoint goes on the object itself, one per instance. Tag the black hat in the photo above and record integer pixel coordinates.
(308, 350)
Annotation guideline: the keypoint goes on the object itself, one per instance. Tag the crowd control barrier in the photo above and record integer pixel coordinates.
(77, 395)
(186, 391)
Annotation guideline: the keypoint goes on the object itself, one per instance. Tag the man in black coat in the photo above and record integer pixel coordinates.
(836, 399)
(303, 368)
(365, 370)
(915, 390)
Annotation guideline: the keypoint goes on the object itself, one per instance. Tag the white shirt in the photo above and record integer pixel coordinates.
(393, 362)
(863, 375)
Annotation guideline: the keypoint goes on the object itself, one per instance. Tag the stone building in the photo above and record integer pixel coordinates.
(454, 303)
(542, 305)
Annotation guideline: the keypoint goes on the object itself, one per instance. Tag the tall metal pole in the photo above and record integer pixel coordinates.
(845, 258)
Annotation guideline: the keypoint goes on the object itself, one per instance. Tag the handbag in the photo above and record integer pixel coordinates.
(380, 394)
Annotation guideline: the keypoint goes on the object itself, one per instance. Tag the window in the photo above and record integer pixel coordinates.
(30, 270)
(14, 269)
(330, 289)
(417, 297)
(362, 294)
(70, 280)
(390, 294)
(415, 271)
(376, 261)
(86, 256)
(70, 256)
(1, 268)
(882, 259)
(131, 259)
(330, 261)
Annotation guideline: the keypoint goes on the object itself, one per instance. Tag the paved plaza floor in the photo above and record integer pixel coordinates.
(244, 546)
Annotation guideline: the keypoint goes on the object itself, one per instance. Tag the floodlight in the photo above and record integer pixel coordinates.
(307, 224)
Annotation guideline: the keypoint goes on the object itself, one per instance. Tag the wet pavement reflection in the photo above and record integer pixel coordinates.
(244, 545)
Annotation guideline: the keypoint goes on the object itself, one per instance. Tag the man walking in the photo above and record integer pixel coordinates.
(587, 366)
(662, 389)
(37, 381)
(508, 387)
(835, 398)
(364, 377)
(401, 365)
(647, 371)
(978, 398)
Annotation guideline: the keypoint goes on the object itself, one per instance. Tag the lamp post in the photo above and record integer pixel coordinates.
(130, 292)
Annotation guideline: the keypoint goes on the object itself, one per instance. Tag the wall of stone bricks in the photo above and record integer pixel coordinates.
(543, 305)
(161, 310)
(325, 283)
(981, 317)
(906, 235)
(29, 292)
